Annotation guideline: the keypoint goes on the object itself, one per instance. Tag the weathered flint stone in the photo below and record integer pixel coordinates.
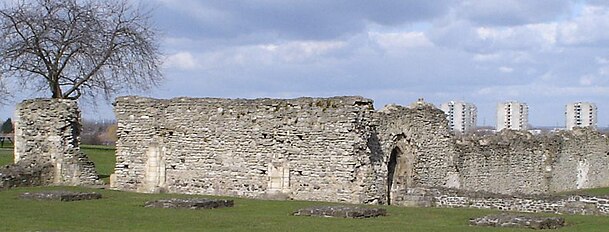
(341, 212)
(198, 203)
(579, 208)
(519, 221)
(25, 173)
(61, 196)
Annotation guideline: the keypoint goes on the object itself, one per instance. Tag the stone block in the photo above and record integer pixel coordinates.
(61, 196)
(580, 208)
(518, 221)
(341, 211)
(198, 203)
(25, 173)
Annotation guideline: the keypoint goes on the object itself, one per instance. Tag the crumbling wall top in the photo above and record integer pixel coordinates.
(332, 102)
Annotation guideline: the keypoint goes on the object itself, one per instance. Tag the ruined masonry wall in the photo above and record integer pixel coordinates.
(518, 162)
(47, 131)
(512, 162)
(337, 149)
(418, 136)
(558, 204)
(583, 161)
(305, 148)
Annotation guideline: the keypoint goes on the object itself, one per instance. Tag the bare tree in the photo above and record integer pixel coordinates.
(78, 47)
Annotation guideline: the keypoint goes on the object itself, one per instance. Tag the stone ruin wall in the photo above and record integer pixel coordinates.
(417, 149)
(572, 203)
(583, 161)
(510, 162)
(337, 149)
(47, 134)
(306, 148)
(513, 162)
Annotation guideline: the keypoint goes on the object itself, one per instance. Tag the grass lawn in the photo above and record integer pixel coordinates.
(123, 211)
(104, 159)
(6, 154)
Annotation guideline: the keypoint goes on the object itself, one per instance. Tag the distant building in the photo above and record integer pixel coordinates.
(581, 114)
(461, 116)
(512, 116)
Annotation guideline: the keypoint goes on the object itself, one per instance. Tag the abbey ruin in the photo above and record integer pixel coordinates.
(47, 148)
(337, 149)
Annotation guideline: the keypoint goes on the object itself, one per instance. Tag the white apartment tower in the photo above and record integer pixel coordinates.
(580, 114)
(461, 116)
(512, 116)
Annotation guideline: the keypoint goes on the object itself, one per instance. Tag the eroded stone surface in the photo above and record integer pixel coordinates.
(519, 221)
(198, 203)
(25, 173)
(299, 148)
(61, 196)
(559, 204)
(341, 211)
(337, 149)
(48, 131)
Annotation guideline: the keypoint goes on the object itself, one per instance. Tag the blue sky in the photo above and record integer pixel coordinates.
(546, 53)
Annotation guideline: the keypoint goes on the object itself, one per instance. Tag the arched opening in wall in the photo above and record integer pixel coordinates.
(391, 168)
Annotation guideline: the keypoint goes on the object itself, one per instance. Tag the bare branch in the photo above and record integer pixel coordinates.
(78, 47)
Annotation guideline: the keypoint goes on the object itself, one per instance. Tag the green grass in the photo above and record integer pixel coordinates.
(6, 154)
(104, 159)
(597, 191)
(592, 192)
(123, 211)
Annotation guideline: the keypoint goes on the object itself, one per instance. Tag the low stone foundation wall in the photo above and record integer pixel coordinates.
(519, 221)
(61, 196)
(341, 211)
(450, 198)
(25, 173)
(198, 203)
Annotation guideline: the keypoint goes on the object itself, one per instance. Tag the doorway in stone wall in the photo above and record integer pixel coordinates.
(400, 170)
(391, 169)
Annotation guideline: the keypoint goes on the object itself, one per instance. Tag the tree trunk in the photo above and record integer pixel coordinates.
(56, 89)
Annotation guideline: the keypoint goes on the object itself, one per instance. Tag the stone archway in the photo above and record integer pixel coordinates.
(391, 167)
(399, 170)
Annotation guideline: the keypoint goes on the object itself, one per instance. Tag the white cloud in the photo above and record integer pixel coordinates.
(586, 80)
(512, 12)
(299, 51)
(400, 40)
(590, 27)
(526, 37)
(601, 60)
(486, 57)
(505, 69)
(181, 60)
(256, 56)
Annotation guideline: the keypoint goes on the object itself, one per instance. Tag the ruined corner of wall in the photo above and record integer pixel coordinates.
(47, 132)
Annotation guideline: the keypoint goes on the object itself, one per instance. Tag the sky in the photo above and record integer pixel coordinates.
(546, 53)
